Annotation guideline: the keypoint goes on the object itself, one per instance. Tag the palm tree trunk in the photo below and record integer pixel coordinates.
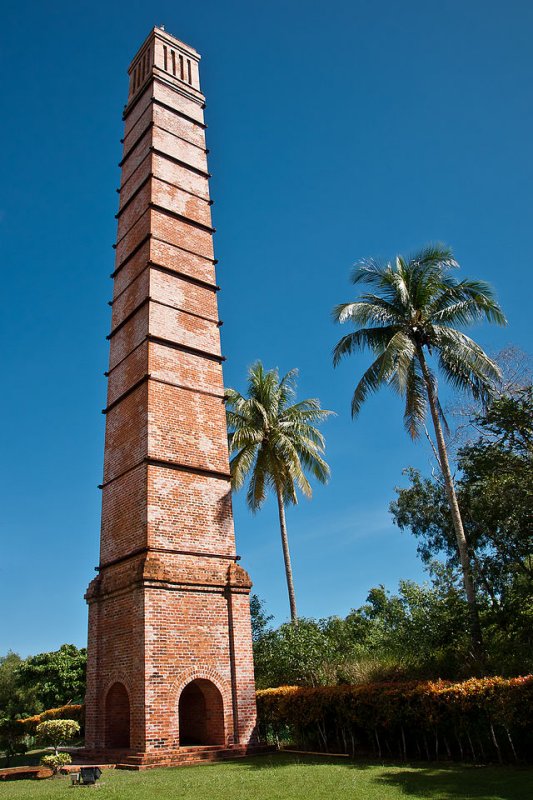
(462, 546)
(287, 557)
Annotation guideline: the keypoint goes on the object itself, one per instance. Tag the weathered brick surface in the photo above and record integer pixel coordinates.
(166, 94)
(131, 267)
(136, 155)
(169, 653)
(178, 175)
(183, 294)
(132, 296)
(124, 515)
(135, 130)
(126, 433)
(182, 260)
(143, 100)
(192, 513)
(132, 234)
(136, 179)
(119, 623)
(129, 335)
(178, 232)
(134, 210)
(171, 435)
(184, 328)
(184, 369)
(173, 122)
(127, 372)
(178, 148)
(175, 199)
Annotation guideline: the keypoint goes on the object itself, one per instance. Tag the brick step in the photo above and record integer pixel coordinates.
(202, 748)
(199, 754)
(185, 756)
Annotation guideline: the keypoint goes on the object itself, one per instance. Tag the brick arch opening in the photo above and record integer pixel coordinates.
(201, 714)
(117, 717)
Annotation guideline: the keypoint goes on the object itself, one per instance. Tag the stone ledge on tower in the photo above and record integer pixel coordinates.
(182, 571)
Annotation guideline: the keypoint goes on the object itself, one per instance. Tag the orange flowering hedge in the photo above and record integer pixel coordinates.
(479, 719)
(75, 712)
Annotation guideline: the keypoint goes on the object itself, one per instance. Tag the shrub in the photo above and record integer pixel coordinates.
(56, 732)
(73, 712)
(56, 761)
(482, 718)
(11, 738)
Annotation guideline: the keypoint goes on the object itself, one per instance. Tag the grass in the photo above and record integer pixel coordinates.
(291, 777)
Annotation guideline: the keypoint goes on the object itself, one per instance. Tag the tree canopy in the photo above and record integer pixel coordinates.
(495, 492)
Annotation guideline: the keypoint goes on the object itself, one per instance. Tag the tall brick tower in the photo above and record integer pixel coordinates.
(169, 654)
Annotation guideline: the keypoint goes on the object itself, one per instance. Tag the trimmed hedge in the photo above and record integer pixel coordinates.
(75, 712)
(485, 719)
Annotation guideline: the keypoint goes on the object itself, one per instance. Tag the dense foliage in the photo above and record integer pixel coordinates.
(488, 719)
(417, 633)
(420, 632)
(12, 739)
(57, 678)
(495, 491)
(28, 686)
(15, 697)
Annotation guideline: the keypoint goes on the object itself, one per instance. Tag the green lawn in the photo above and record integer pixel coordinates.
(288, 777)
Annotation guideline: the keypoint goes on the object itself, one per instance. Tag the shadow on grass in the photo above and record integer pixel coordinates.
(457, 782)
(428, 781)
(29, 759)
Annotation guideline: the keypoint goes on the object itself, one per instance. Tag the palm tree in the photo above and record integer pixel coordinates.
(407, 314)
(275, 443)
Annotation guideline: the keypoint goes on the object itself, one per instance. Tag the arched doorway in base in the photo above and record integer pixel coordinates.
(117, 717)
(201, 714)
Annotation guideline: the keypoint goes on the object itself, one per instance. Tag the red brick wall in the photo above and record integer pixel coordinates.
(169, 621)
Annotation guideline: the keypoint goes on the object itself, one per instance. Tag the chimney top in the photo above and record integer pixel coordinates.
(166, 58)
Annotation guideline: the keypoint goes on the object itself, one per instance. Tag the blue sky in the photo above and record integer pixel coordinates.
(337, 130)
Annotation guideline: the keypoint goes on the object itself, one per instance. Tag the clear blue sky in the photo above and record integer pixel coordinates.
(337, 130)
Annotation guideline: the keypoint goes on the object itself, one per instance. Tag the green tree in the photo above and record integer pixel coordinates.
(408, 315)
(260, 618)
(420, 629)
(274, 443)
(9, 665)
(295, 655)
(417, 632)
(14, 699)
(57, 678)
(57, 732)
(495, 493)
(12, 737)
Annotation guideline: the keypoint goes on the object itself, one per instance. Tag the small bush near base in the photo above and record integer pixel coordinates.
(56, 760)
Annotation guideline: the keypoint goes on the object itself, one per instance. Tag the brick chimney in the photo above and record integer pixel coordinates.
(169, 653)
